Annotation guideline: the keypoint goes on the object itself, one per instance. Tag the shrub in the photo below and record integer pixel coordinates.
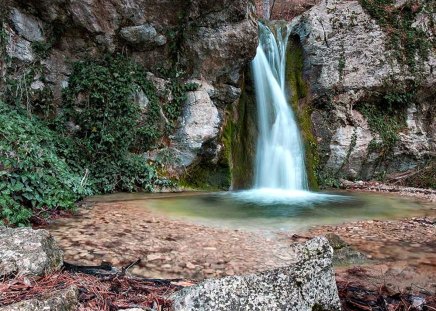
(109, 127)
(33, 178)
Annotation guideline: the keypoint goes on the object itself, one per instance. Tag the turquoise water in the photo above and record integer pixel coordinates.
(271, 209)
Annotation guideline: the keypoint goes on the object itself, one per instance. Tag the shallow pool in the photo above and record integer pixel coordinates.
(271, 209)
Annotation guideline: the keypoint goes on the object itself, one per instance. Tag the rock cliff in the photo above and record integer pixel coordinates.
(370, 72)
(361, 78)
(362, 75)
(207, 42)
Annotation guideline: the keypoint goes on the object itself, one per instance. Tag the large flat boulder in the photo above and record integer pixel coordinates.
(309, 284)
(25, 251)
(61, 300)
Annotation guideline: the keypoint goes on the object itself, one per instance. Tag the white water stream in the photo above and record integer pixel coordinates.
(280, 151)
(280, 172)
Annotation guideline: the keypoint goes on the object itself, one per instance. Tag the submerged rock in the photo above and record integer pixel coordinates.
(309, 284)
(24, 251)
(62, 300)
(344, 254)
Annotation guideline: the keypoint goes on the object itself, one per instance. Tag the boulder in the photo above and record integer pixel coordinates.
(18, 48)
(220, 53)
(143, 35)
(25, 251)
(200, 123)
(62, 300)
(309, 284)
(27, 26)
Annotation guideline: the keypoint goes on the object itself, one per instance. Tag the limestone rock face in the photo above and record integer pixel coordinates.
(200, 123)
(349, 63)
(210, 40)
(328, 33)
(142, 35)
(26, 26)
(222, 51)
(307, 285)
(62, 300)
(28, 252)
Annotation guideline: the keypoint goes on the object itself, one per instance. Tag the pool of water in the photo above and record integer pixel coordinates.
(270, 209)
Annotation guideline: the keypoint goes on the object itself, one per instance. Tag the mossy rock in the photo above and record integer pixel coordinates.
(298, 92)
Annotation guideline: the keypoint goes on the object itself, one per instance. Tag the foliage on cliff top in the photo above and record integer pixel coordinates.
(406, 41)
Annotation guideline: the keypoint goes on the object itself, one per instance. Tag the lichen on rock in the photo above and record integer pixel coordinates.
(306, 285)
(60, 300)
(24, 251)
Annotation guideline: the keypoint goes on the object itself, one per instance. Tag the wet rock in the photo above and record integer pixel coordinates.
(308, 284)
(28, 252)
(344, 254)
(62, 300)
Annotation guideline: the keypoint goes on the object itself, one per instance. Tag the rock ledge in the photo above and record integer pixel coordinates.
(309, 284)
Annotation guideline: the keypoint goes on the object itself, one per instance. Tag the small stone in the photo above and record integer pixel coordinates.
(209, 248)
(153, 257)
(37, 85)
(190, 266)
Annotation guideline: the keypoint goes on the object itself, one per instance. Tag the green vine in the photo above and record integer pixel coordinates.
(406, 41)
(109, 129)
(387, 119)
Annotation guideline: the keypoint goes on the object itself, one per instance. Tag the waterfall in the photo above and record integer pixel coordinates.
(280, 151)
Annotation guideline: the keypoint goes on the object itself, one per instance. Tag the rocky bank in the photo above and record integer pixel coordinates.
(307, 283)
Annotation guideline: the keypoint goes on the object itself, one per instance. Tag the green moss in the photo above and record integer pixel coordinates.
(299, 92)
(207, 176)
(406, 41)
(240, 136)
(386, 115)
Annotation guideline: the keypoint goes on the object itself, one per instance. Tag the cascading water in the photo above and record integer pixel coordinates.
(280, 151)
(280, 173)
